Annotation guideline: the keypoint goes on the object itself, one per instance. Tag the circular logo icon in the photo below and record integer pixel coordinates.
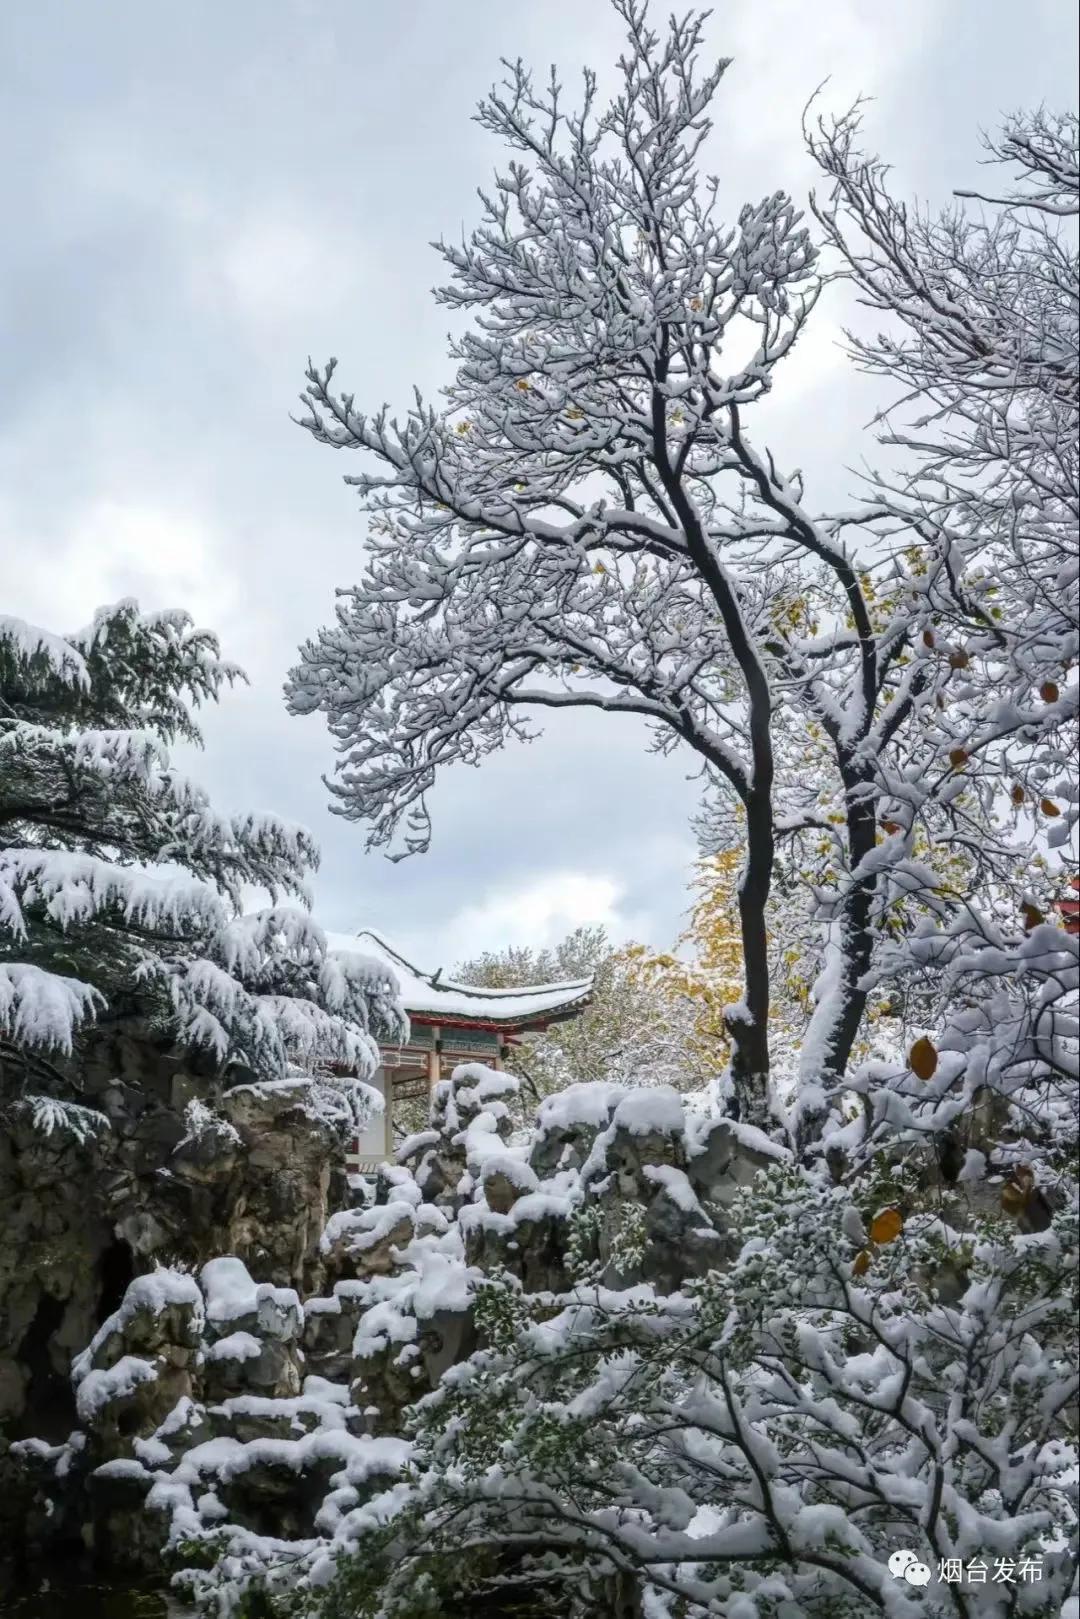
(901, 1561)
(917, 1573)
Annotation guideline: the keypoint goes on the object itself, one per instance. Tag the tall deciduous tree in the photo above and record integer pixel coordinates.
(587, 522)
(557, 534)
(977, 326)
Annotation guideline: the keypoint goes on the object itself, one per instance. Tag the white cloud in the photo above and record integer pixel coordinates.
(266, 265)
(538, 912)
(201, 209)
(783, 51)
(113, 549)
(274, 267)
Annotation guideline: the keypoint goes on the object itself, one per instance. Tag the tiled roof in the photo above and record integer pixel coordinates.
(426, 995)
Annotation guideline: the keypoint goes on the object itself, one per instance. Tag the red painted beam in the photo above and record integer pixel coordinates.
(442, 1022)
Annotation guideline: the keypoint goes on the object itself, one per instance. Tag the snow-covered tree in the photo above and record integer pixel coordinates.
(888, 1369)
(977, 536)
(122, 889)
(586, 522)
(558, 534)
(885, 1375)
(638, 1028)
(580, 953)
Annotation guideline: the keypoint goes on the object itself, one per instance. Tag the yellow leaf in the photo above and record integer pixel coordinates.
(861, 1263)
(923, 1059)
(886, 1226)
(958, 757)
(522, 386)
(1049, 692)
(958, 660)
(1016, 1193)
(1048, 807)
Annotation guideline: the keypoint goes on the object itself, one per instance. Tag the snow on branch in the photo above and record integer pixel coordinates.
(116, 870)
(28, 643)
(48, 1116)
(43, 1009)
(544, 540)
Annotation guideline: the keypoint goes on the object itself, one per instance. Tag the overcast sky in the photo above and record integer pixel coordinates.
(199, 196)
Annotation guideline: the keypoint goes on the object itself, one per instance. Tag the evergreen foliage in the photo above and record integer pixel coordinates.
(122, 889)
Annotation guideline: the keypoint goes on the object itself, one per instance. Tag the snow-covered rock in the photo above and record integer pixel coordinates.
(223, 1410)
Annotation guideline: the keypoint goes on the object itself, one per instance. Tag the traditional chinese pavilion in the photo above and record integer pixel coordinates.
(450, 1023)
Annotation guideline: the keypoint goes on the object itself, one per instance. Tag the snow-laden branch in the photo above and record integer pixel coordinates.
(121, 888)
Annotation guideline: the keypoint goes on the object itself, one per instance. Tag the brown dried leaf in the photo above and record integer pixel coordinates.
(922, 1059)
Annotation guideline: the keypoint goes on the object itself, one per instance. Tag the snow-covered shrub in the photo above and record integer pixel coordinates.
(886, 1363)
(762, 1441)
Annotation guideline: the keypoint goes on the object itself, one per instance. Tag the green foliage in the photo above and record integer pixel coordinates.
(777, 1395)
(441, 1583)
(126, 671)
(200, 1552)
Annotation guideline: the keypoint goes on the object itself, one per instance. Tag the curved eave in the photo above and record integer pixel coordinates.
(495, 1025)
(469, 1006)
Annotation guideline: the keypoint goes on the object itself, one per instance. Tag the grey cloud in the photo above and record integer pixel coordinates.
(198, 197)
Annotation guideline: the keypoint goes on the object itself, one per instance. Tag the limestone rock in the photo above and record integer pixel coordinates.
(81, 1219)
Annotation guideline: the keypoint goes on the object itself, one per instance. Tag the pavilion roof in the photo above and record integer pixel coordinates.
(430, 998)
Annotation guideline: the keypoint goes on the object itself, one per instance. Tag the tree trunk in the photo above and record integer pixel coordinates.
(856, 936)
(856, 946)
(750, 1032)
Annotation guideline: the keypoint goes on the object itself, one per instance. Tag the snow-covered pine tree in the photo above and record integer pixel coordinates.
(122, 890)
